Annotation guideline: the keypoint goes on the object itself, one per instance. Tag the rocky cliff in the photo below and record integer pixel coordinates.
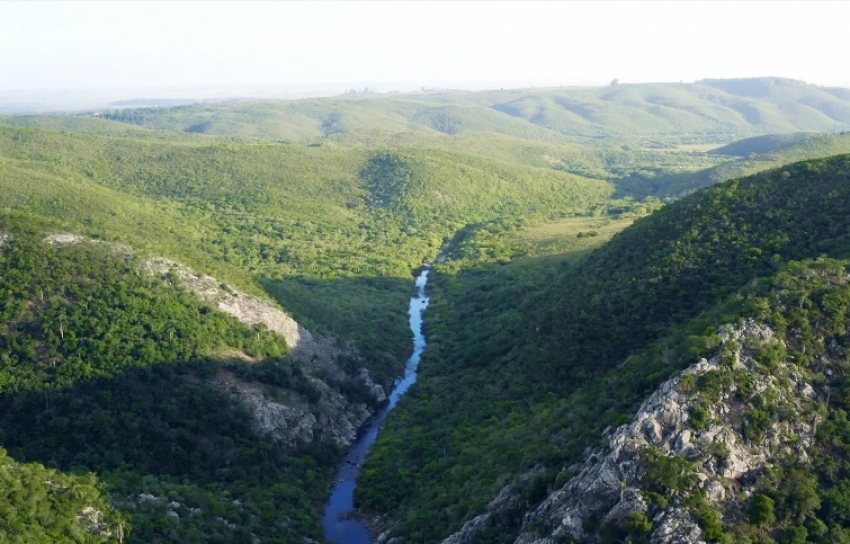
(285, 415)
(690, 458)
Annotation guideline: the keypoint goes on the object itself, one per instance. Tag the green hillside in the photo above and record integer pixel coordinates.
(710, 111)
(545, 326)
(41, 506)
(753, 155)
(331, 232)
(106, 371)
(526, 365)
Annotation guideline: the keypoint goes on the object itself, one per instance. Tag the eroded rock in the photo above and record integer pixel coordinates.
(608, 485)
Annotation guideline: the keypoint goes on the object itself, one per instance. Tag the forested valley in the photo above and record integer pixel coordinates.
(587, 246)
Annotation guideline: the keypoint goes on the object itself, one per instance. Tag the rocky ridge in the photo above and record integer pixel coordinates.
(700, 421)
(291, 420)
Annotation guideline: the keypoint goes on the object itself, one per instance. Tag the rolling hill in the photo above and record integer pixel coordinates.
(325, 206)
(528, 365)
(709, 111)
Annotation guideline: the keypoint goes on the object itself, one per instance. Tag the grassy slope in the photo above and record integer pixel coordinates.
(528, 369)
(754, 155)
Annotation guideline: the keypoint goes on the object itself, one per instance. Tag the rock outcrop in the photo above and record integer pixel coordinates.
(721, 458)
(291, 421)
(283, 414)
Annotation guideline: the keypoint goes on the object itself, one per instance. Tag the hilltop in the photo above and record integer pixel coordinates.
(705, 111)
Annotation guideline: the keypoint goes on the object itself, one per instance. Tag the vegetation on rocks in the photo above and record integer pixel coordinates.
(545, 328)
(526, 368)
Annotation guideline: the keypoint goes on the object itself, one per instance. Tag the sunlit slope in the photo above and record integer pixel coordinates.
(72, 202)
(708, 107)
(331, 232)
(527, 365)
(88, 124)
(314, 119)
(705, 111)
(750, 156)
(301, 181)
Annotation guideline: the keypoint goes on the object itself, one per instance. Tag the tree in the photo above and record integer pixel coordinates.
(762, 510)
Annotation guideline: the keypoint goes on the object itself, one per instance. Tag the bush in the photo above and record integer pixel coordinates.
(762, 510)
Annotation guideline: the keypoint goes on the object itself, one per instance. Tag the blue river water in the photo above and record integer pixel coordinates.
(335, 522)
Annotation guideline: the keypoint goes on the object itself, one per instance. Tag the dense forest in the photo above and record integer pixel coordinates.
(106, 373)
(519, 376)
(592, 249)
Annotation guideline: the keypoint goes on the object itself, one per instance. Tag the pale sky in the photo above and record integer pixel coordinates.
(302, 45)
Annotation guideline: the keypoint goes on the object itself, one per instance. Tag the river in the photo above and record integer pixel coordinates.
(336, 524)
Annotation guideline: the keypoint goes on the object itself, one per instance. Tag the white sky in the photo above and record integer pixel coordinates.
(75, 45)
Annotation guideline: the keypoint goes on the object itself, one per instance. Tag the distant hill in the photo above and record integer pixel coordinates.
(705, 111)
(148, 102)
(749, 156)
(759, 144)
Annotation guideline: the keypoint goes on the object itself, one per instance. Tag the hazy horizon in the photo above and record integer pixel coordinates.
(287, 49)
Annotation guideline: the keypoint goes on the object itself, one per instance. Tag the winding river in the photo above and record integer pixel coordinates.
(336, 523)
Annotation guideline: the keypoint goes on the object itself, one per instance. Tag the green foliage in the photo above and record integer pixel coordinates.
(771, 354)
(712, 384)
(698, 417)
(665, 475)
(710, 521)
(388, 178)
(526, 365)
(762, 510)
(104, 370)
(41, 505)
(637, 524)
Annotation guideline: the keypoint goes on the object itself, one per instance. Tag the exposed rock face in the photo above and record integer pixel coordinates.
(290, 419)
(63, 238)
(722, 461)
(247, 309)
(507, 498)
(291, 422)
(285, 415)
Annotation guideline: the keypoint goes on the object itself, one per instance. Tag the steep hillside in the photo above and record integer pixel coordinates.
(745, 447)
(523, 372)
(196, 427)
